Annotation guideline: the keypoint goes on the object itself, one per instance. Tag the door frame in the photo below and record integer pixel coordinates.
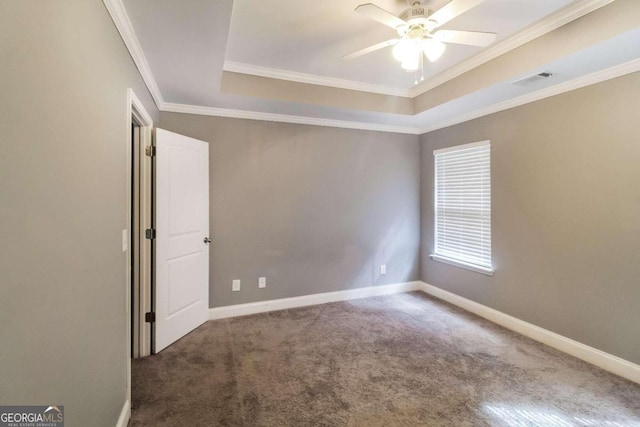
(137, 115)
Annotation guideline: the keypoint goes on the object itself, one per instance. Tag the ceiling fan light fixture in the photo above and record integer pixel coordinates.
(419, 33)
(405, 50)
(411, 64)
(433, 49)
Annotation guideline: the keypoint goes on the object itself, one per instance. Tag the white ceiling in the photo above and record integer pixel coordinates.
(312, 36)
(182, 47)
(184, 43)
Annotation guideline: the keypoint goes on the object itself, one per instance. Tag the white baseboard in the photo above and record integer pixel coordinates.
(606, 361)
(125, 414)
(306, 300)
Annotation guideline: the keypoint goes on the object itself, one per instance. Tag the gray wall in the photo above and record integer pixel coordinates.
(63, 78)
(314, 209)
(565, 214)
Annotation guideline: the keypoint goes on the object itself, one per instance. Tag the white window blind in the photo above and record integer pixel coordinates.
(463, 205)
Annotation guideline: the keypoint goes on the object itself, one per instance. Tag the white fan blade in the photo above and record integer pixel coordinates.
(472, 38)
(453, 9)
(371, 48)
(372, 11)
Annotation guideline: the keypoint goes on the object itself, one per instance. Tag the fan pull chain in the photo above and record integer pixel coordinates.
(421, 68)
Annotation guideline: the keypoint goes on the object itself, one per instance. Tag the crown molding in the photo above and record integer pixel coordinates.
(313, 79)
(579, 8)
(123, 24)
(569, 13)
(577, 83)
(556, 20)
(283, 118)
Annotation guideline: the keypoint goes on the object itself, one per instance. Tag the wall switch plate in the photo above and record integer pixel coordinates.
(125, 240)
(383, 269)
(235, 287)
(262, 282)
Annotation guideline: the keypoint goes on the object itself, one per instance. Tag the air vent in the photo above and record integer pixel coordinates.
(525, 81)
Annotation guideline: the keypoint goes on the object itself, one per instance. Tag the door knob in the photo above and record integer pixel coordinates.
(207, 240)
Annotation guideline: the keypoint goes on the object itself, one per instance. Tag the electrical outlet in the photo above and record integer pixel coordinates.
(262, 282)
(383, 269)
(235, 287)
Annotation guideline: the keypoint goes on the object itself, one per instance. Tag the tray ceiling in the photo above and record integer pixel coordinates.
(282, 60)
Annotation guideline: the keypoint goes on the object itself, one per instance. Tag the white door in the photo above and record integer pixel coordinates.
(182, 231)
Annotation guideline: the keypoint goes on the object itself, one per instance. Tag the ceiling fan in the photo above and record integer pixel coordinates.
(417, 27)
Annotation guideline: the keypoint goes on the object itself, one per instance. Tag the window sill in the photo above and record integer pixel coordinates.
(456, 263)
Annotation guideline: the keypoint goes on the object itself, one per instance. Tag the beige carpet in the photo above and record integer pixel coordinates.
(400, 360)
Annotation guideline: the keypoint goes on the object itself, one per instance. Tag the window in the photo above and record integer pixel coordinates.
(463, 206)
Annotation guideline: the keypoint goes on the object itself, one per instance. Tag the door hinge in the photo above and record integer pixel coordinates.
(150, 150)
(150, 233)
(150, 317)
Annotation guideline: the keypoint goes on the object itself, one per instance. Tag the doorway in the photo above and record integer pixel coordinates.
(136, 224)
(139, 218)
